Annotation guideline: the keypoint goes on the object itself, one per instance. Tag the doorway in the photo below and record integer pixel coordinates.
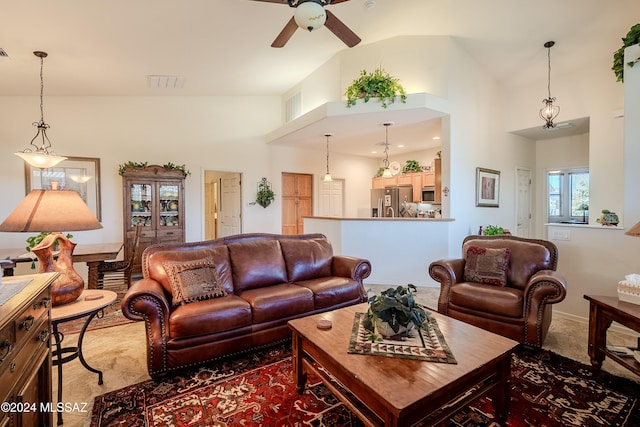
(523, 202)
(222, 204)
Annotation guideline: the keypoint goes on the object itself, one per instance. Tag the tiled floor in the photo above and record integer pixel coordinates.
(120, 352)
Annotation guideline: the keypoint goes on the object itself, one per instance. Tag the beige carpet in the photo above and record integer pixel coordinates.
(120, 352)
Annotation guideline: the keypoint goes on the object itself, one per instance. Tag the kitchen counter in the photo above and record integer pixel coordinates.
(400, 249)
(330, 218)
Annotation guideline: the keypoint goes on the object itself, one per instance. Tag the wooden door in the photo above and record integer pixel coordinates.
(297, 190)
(230, 205)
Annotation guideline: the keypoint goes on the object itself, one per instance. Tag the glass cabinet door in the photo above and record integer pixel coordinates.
(169, 199)
(141, 206)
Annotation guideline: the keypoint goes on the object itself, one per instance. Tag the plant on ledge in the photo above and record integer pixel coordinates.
(265, 194)
(397, 308)
(632, 38)
(411, 166)
(141, 165)
(378, 84)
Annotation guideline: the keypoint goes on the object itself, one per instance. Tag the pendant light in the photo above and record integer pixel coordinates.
(549, 111)
(40, 158)
(327, 176)
(387, 171)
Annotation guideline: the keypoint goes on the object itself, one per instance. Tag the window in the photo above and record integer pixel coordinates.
(568, 195)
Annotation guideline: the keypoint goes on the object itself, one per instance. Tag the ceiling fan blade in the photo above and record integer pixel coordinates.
(343, 32)
(285, 34)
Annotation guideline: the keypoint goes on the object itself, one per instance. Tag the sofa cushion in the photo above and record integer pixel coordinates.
(486, 265)
(209, 317)
(330, 291)
(277, 302)
(307, 259)
(481, 298)
(256, 263)
(155, 257)
(193, 281)
(526, 257)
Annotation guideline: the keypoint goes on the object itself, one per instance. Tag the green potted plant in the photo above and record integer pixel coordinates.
(632, 38)
(33, 241)
(394, 313)
(493, 230)
(411, 166)
(377, 84)
(265, 194)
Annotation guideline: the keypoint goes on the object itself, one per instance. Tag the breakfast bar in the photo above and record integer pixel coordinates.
(400, 248)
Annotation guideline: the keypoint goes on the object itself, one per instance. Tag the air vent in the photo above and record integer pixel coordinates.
(165, 82)
(293, 107)
(4, 54)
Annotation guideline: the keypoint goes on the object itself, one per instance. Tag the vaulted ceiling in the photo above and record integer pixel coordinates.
(222, 47)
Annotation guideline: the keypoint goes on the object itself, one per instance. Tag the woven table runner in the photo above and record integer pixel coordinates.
(426, 344)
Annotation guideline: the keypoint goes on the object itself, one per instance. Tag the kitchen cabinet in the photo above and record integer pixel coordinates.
(417, 180)
(154, 198)
(25, 356)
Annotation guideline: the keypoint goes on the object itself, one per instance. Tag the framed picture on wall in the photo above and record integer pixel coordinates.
(80, 174)
(487, 188)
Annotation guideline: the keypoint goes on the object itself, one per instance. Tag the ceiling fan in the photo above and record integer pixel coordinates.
(311, 15)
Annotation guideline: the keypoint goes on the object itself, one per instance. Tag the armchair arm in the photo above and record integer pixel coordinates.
(544, 287)
(146, 300)
(447, 272)
(357, 269)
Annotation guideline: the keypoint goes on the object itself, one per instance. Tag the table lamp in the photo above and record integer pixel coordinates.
(54, 211)
(634, 231)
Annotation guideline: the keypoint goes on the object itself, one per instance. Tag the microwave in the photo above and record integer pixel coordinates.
(429, 194)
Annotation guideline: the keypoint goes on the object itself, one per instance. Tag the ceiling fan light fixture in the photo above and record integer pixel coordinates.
(310, 15)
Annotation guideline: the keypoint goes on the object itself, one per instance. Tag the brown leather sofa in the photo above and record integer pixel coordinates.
(262, 281)
(513, 296)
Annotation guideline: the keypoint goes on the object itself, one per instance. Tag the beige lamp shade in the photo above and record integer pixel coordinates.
(634, 231)
(51, 210)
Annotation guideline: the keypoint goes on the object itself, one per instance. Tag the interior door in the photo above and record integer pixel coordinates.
(297, 190)
(230, 209)
(331, 198)
(523, 202)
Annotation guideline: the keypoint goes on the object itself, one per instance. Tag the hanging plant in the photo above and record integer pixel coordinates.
(632, 38)
(265, 194)
(378, 84)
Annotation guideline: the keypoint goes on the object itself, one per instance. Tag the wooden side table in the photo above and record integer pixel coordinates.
(89, 304)
(602, 311)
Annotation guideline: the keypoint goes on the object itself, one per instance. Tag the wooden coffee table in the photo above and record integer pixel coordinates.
(401, 392)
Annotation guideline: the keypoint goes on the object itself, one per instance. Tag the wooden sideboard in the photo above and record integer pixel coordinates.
(25, 356)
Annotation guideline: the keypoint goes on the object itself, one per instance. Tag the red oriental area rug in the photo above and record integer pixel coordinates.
(257, 389)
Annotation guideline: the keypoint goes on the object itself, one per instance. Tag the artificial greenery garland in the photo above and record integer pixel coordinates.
(632, 38)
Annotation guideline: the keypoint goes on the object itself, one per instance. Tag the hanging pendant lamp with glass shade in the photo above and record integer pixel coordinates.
(387, 172)
(40, 157)
(549, 111)
(327, 176)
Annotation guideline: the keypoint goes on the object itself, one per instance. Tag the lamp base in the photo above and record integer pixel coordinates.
(69, 284)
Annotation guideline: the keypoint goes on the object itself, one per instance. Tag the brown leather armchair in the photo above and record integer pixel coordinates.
(504, 284)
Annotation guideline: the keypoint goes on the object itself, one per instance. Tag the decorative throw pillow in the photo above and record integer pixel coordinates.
(193, 281)
(486, 265)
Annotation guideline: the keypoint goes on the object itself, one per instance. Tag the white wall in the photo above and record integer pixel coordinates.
(204, 133)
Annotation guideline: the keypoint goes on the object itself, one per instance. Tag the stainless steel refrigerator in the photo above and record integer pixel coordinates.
(386, 202)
